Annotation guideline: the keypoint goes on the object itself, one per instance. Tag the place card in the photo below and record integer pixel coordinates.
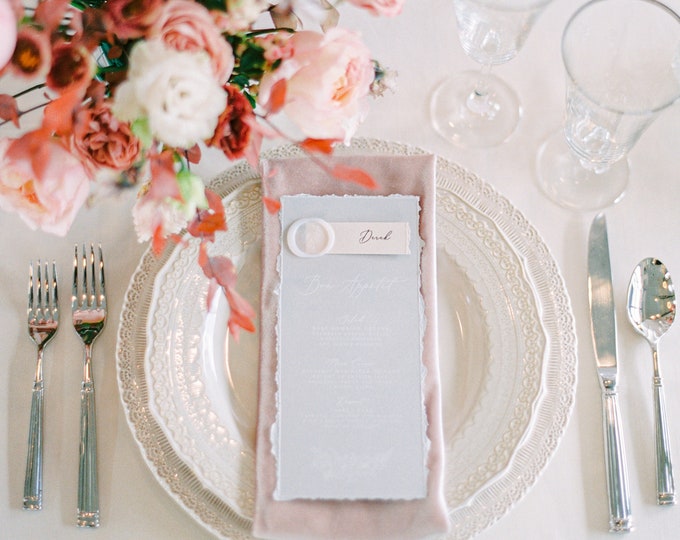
(350, 421)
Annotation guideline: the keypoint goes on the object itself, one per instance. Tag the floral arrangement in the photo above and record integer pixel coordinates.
(133, 89)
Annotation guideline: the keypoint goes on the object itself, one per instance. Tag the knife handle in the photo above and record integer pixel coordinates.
(615, 458)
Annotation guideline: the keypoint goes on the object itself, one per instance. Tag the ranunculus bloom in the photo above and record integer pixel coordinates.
(8, 32)
(132, 18)
(186, 25)
(32, 55)
(389, 8)
(328, 77)
(42, 182)
(232, 134)
(72, 67)
(104, 141)
(176, 91)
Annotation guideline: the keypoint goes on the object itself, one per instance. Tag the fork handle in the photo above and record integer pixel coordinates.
(33, 481)
(88, 488)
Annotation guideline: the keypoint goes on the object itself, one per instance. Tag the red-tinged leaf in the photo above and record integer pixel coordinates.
(252, 151)
(206, 225)
(59, 113)
(214, 201)
(204, 260)
(194, 154)
(272, 205)
(223, 270)
(321, 146)
(158, 240)
(163, 177)
(353, 174)
(212, 289)
(277, 98)
(9, 110)
(207, 222)
(241, 313)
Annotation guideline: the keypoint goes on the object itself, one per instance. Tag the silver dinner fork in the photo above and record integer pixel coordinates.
(43, 320)
(88, 305)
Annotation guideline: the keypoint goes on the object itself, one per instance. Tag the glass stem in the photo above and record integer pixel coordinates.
(480, 99)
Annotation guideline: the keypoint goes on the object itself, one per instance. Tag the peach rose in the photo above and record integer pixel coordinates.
(186, 25)
(388, 8)
(42, 182)
(328, 78)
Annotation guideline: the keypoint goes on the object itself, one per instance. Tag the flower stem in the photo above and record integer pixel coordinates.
(29, 90)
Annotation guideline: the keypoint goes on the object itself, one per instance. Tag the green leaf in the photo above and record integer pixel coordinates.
(142, 131)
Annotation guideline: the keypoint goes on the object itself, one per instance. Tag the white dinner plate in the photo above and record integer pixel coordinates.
(507, 356)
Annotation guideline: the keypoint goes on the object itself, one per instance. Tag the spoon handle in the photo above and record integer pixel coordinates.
(665, 486)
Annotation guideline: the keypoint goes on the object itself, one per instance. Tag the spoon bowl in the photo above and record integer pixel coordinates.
(651, 311)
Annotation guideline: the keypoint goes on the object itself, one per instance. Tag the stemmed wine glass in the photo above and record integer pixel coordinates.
(477, 108)
(622, 60)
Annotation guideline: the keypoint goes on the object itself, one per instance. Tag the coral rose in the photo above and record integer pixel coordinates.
(328, 76)
(104, 141)
(232, 134)
(186, 25)
(42, 182)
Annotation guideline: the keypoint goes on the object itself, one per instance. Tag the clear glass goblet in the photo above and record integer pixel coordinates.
(622, 60)
(477, 108)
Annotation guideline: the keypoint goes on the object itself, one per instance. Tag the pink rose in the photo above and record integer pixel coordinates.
(42, 182)
(388, 8)
(8, 32)
(328, 78)
(132, 18)
(186, 25)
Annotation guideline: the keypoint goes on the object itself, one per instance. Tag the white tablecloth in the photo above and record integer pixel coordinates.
(569, 499)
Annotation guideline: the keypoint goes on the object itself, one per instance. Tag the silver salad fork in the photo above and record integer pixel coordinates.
(88, 305)
(43, 320)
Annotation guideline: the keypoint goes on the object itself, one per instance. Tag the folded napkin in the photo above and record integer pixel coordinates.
(348, 519)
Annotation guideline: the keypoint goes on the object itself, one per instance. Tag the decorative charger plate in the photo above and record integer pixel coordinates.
(507, 356)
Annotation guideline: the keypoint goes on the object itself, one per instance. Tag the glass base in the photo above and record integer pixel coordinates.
(565, 181)
(475, 110)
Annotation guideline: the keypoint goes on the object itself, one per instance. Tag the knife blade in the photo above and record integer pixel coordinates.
(603, 330)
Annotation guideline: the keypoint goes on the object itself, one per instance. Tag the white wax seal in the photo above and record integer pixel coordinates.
(319, 237)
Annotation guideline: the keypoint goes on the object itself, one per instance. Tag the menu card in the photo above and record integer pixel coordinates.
(351, 421)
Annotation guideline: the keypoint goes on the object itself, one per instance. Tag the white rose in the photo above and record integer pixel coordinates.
(176, 91)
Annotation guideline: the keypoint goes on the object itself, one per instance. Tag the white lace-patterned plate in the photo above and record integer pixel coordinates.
(507, 349)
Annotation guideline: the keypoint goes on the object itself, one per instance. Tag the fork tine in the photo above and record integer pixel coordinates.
(74, 289)
(55, 291)
(102, 285)
(30, 287)
(40, 286)
(93, 292)
(47, 305)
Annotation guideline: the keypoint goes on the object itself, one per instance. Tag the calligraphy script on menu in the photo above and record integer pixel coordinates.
(350, 327)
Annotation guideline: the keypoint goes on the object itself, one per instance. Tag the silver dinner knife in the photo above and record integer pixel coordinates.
(603, 329)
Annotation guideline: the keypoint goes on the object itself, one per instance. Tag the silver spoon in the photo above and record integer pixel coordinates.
(651, 310)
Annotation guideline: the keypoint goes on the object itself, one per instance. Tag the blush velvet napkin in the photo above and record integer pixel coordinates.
(349, 519)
